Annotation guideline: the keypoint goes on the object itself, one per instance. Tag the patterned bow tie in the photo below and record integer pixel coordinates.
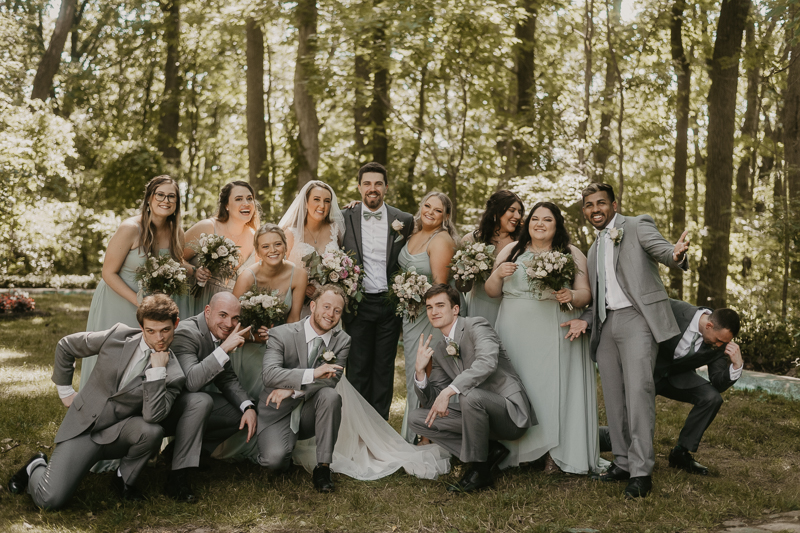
(370, 214)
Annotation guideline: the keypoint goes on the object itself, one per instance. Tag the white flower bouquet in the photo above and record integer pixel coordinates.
(161, 274)
(470, 263)
(406, 293)
(551, 270)
(262, 308)
(336, 266)
(218, 254)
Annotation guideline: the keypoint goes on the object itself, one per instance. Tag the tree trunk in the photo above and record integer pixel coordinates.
(170, 101)
(603, 148)
(744, 189)
(406, 189)
(684, 74)
(256, 128)
(525, 32)
(713, 270)
(588, 35)
(304, 103)
(360, 108)
(379, 109)
(43, 81)
(791, 121)
(273, 168)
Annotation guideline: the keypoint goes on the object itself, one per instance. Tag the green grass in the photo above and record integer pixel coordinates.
(752, 449)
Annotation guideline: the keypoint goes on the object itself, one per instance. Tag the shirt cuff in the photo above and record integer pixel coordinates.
(154, 374)
(421, 384)
(298, 394)
(65, 391)
(454, 388)
(221, 356)
(244, 405)
(736, 373)
(308, 377)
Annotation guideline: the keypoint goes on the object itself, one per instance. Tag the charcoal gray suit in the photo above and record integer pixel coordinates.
(493, 404)
(108, 419)
(375, 329)
(285, 362)
(626, 344)
(677, 379)
(208, 412)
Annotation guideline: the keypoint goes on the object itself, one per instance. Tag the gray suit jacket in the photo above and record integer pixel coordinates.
(193, 345)
(352, 235)
(636, 258)
(681, 372)
(285, 361)
(100, 404)
(482, 364)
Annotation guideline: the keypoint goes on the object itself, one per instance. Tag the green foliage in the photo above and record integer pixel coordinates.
(126, 175)
(769, 345)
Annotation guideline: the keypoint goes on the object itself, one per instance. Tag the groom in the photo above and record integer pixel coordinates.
(470, 363)
(376, 233)
(630, 314)
(303, 363)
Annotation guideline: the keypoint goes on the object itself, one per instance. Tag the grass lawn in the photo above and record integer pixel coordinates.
(753, 449)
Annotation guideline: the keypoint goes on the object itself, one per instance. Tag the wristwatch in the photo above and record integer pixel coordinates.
(251, 406)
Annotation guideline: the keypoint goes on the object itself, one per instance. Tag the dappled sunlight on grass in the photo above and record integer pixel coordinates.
(7, 355)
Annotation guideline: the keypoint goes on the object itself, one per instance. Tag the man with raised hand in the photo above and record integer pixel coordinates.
(116, 414)
(214, 405)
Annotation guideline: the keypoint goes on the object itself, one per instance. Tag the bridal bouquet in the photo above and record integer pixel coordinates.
(336, 266)
(161, 274)
(406, 292)
(218, 254)
(262, 308)
(551, 270)
(473, 261)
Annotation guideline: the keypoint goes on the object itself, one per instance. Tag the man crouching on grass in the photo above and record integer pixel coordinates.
(116, 414)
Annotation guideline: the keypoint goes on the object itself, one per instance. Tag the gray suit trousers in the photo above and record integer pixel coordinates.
(200, 421)
(626, 357)
(321, 416)
(465, 432)
(53, 485)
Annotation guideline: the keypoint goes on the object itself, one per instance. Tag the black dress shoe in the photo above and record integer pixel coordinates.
(681, 458)
(124, 491)
(178, 487)
(474, 479)
(639, 487)
(323, 481)
(604, 436)
(19, 481)
(614, 473)
(497, 454)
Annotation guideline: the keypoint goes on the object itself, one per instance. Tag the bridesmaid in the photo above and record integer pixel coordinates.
(272, 272)
(558, 374)
(499, 226)
(237, 218)
(429, 249)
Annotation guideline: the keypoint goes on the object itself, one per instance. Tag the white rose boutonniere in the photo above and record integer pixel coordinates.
(616, 235)
(452, 349)
(329, 357)
(397, 226)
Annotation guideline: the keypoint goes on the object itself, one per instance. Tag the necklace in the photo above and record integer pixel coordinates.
(312, 234)
(537, 250)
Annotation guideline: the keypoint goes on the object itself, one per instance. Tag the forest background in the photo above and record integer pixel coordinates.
(690, 109)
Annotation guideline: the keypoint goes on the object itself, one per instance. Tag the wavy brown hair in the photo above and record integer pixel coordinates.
(561, 239)
(147, 232)
(496, 207)
(224, 197)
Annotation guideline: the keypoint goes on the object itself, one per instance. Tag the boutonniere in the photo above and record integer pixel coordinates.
(616, 235)
(329, 357)
(397, 227)
(453, 350)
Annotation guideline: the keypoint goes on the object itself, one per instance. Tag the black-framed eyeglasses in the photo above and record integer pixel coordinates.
(171, 198)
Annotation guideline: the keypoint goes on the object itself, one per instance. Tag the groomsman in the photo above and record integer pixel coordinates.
(302, 365)
(117, 412)
(376, 233)
(214, 405)
(630, 314)
(471, 364)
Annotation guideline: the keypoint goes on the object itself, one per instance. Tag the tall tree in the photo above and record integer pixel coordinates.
(603, 147)
(684, 74)
(379, 109)
(713, 270)
(791, 143)
(588, 36)
(256, 128)
(48, 66)
(744, 189)
(304, 102)
(525, 32)
(170, 101)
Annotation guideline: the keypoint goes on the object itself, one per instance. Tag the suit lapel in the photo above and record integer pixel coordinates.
(621, 225)
(208, 341)
(355, 220)
(127, 354)
(457, 336)
(392, 216)
(301, 346)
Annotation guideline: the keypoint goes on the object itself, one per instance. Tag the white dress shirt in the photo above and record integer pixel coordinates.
(682, 349)
(615, 297)
(373, 248)
(311, 334)
(449, 337)
(222, 357)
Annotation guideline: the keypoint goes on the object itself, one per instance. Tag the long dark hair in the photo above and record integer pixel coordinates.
(225, 196)
(147, 240)
(560, 239)
(496, 207)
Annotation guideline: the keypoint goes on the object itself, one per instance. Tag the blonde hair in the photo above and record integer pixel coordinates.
(447, 220)
(269, 227)
(148, 244)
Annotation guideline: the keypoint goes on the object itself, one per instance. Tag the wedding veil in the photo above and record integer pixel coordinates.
(295, 217)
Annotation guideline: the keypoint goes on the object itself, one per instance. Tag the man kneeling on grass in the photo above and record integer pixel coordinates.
(116, 414)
